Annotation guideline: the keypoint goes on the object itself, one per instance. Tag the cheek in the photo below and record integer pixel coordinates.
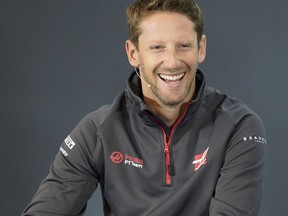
(149, 63)
(191, 62)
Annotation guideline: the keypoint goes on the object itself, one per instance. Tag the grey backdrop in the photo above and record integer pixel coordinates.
(61, 59)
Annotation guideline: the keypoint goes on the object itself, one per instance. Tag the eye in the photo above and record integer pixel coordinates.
(187, 45)
(157, 47)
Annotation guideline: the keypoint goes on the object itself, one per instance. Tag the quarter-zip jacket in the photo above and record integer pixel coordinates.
(210, 162)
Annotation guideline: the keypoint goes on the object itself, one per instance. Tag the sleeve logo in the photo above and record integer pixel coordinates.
(255, 139)
(69, 142)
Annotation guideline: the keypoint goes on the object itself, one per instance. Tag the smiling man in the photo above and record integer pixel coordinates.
(169, 144)
(167, 54)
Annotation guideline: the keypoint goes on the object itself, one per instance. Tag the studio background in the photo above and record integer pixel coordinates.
(60, 60)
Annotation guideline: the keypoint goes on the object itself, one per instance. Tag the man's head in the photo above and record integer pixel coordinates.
(141, 9)
(166, 45)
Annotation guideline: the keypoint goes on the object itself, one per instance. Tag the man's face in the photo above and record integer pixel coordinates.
(168, 57)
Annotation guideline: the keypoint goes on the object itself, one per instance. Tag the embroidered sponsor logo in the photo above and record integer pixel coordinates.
(117, 158)
(200, 160)
(257, 139)
(69, 142)
(62, 150)
(136, 162)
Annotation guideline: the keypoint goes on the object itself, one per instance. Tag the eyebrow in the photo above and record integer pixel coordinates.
(192, 42)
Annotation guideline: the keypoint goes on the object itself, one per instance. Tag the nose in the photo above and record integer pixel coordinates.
(172, 60)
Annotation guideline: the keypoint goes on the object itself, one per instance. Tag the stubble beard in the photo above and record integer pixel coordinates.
(173, 102)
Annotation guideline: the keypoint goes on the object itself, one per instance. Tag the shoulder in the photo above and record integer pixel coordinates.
(87, 130)
(107, 111)
(235, 109)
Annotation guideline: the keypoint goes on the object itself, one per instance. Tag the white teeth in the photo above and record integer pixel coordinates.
(172, 78)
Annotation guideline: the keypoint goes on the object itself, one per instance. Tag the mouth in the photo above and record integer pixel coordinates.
(172, 78)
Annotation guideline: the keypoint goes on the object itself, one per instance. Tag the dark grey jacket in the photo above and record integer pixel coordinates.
(210, 162)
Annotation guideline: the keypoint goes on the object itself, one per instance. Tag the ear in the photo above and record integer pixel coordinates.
(132, 53)
(202, 49)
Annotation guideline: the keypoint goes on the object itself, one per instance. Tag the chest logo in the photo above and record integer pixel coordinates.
(116, 157)
(200, 160)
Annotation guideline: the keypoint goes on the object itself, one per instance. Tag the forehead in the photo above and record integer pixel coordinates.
(167, 25)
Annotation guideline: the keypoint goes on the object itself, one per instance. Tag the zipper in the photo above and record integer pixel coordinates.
(169, 167)
(169, 162)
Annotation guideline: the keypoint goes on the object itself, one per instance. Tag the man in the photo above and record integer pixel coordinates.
(168, 144)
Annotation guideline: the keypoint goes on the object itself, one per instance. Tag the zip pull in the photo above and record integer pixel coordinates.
(166, 149)
(171, 167)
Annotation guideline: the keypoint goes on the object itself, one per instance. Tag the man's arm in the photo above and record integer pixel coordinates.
(72, 178)
(239, 188)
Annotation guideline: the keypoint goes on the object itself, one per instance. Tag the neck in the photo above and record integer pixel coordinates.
(169, 114)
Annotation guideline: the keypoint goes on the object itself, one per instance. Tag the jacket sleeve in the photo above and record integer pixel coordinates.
(240, 184)
(72, 178)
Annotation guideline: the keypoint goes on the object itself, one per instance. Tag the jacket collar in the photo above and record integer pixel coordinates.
(134, 90)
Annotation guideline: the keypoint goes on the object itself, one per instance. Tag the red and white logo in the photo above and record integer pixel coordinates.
(200, 160)
(116, 157)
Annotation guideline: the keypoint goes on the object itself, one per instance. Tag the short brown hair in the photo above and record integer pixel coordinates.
(143, 8)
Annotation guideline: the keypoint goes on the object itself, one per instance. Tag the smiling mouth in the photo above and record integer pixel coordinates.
(172, 78)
